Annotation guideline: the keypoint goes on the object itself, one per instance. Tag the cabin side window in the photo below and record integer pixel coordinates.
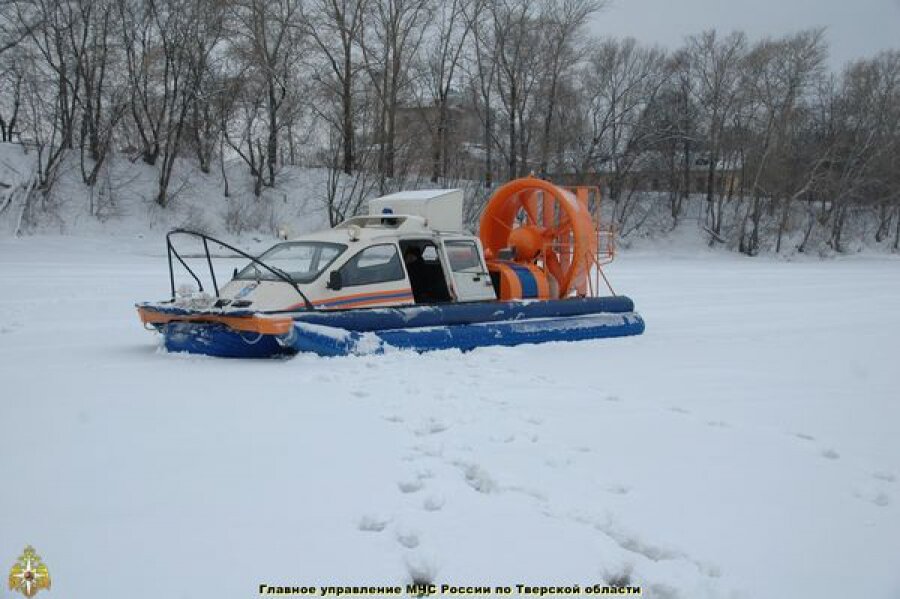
(375, 264)
(464, 256)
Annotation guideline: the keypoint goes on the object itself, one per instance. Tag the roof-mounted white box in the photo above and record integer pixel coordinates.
(442, 209)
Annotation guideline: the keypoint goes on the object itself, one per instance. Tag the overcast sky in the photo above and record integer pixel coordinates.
(855, 28)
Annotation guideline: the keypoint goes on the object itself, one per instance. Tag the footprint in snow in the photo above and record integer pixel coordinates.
(428, 451)
(717, 423)
(410, 486)
(830, 454)
(443, 395)
(881, 499)
(618, 489)
(613, 398)
(408, 538)
(422, 570)
(877, 498)
(557, 463)
(884, 476)
(433, 503)
(530, 492)
(394, 418)
(370, 523)
(804, 436)
(621, 578)
(478, 478)
(432, 427)
(632, 543)
(424, 474)
(679, 410)
(359, 393)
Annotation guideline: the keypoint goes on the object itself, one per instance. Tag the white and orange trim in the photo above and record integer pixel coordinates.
(389, 297)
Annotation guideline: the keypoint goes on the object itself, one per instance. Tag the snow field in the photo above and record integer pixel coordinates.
(746, 446)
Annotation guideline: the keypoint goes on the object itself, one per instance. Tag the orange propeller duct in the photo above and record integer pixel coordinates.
(544, 225)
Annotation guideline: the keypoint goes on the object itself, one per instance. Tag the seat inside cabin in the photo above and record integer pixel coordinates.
(426, 274)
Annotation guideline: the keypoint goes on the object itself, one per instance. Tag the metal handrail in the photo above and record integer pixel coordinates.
(170, 248)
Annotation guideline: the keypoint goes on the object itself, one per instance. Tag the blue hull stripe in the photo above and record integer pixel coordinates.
(527, 280)
(326, 341)
(436, 315)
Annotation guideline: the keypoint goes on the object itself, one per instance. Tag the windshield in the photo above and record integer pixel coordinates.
(302, 261)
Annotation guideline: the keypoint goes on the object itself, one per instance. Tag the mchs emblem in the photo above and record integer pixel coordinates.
(29, 574)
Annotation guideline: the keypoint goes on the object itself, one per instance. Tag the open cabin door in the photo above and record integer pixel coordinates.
(471, 280)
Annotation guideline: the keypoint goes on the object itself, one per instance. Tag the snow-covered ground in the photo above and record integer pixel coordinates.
(748, 445)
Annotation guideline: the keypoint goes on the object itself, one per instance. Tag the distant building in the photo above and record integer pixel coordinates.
(652, 171)
(417, 138)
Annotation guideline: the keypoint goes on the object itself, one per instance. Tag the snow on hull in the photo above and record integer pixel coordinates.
(450, 326)
(328, 341)
(379, 319)
(220, 341)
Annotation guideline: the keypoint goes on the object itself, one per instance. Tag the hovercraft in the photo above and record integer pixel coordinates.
(406, 276)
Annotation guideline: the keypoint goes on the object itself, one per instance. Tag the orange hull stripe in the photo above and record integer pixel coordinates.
(250, 324)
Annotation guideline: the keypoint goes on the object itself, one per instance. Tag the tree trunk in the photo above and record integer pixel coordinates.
(438, 141)
(222, 166)
(548, 126)
(884, 223)
(347, 105)
(897, 231)
(488, 150)
(272, 145)
(755, 217)
(258, 183)
(674, 192)
(513, 144)
(390, 150)
(811, 222)
(837, 229)
(782, 224)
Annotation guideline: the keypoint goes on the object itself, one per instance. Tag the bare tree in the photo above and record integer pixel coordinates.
(621, 82)
(516, 34)
(167, 47)
(780, 73)
(394, 37)
(269, 43)
(562, 24)
(717, 67)
(481, 76)
(335, 27)
(12, 76)
(447, 38)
